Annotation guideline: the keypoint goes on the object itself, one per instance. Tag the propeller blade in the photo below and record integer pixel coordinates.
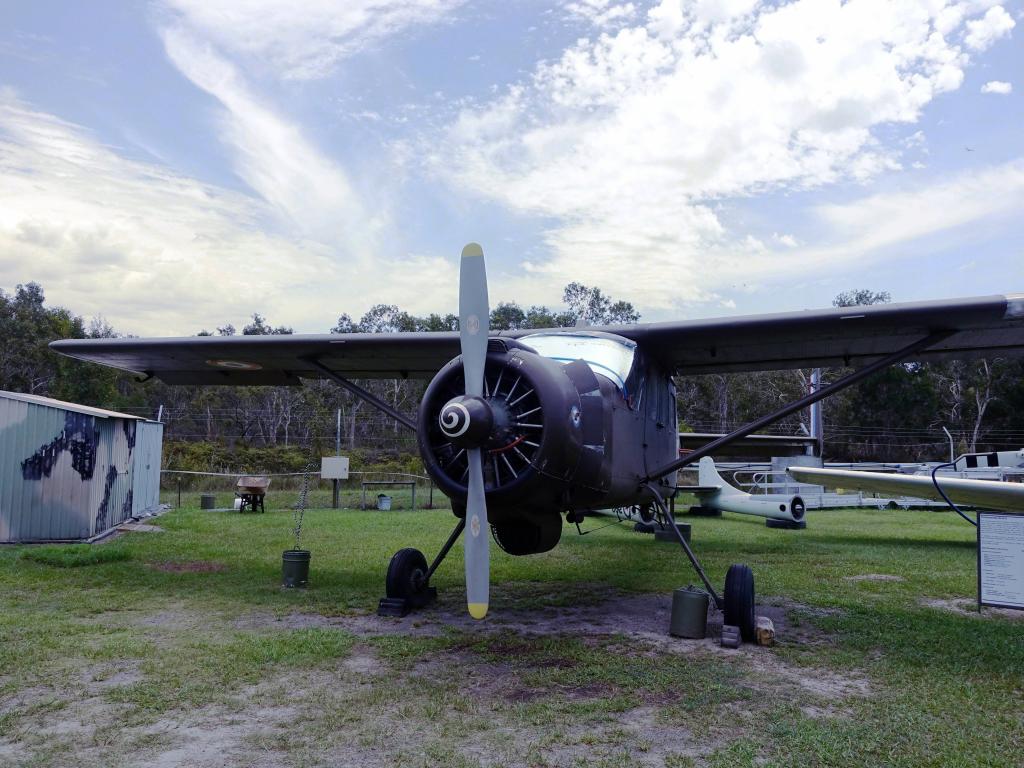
(474, 314)
(476, 541)
(473, 317)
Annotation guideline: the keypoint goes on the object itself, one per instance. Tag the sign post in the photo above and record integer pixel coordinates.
(1001, 560)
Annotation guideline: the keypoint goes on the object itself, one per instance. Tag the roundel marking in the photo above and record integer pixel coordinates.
(454, 419)
(473, 325)
(234, 365)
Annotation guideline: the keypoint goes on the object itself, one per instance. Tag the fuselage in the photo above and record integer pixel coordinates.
(575, 421)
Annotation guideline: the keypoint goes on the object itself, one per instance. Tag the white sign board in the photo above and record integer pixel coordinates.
(334, 468)
(1001, 560)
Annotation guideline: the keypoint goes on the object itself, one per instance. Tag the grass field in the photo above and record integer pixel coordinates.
(180, 648)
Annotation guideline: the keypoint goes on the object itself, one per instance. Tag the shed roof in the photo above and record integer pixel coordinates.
(64, 406)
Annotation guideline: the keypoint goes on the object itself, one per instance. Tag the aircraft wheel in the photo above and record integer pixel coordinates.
(407, 575)
(739, 600)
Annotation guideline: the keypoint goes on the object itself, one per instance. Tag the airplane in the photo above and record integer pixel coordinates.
(527, 425)
(717, 495)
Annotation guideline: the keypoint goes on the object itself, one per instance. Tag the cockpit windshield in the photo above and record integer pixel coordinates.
(612, 358)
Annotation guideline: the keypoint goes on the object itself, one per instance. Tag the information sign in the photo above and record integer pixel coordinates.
(1001, 560)
(334, 468)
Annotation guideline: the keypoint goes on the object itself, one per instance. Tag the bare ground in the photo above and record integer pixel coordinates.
(484, 698)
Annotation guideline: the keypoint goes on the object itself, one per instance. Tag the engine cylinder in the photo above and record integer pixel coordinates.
(532, 450)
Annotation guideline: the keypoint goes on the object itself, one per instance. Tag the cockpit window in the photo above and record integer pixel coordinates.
(612, 358)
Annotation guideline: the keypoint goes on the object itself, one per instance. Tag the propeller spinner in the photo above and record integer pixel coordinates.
(469, 419)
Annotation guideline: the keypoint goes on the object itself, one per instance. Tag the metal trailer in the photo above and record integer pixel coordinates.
(71, 472)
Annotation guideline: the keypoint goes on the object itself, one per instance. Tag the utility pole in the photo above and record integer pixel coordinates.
(817, 426)
(337, 452)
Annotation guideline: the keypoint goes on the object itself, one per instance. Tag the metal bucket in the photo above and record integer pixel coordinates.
(207, 501)
(689, 613)
(383, 502)
(295, 568)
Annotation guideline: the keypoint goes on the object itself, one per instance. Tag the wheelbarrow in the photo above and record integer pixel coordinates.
(251, 489)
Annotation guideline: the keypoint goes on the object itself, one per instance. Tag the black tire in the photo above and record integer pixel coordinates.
(407, 574)
(739, 600)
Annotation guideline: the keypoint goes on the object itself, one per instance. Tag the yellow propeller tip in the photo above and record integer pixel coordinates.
(477, 610)
(472, 249)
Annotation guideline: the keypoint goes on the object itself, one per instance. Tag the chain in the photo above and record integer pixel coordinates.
(299, 510)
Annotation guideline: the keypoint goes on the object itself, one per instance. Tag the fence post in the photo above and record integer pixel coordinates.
(414, 495)
(179, 492)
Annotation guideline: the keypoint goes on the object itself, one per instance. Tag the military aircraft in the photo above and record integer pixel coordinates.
(525, 426)
(716, 495)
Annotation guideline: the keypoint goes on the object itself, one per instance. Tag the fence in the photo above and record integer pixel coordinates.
(184, 489)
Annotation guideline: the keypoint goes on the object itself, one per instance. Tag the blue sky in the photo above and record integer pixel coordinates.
(161, 163)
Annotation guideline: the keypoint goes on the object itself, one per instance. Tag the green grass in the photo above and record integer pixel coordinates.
(74, 555)
(155, 626)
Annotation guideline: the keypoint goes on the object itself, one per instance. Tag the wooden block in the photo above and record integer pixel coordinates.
(764, 631)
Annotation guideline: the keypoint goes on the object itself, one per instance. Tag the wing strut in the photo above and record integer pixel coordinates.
(363, 394)
(813, 397)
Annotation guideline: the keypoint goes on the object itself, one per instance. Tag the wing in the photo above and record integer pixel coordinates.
(986, 326)
(270, 359)
(990, 494)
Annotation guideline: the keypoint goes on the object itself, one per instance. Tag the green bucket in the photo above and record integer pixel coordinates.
(689, 613)
(295, 568)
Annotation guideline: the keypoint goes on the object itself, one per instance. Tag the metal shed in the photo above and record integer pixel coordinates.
(72, 472)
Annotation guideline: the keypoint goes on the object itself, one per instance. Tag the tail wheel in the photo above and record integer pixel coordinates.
(739, 600)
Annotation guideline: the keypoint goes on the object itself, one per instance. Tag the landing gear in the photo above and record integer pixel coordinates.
(737, 606)
(408, 579)
(739, 600)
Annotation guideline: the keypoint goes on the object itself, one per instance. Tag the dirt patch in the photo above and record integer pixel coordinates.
(874, 577)
(364, 661)
(967, 607)
(188, 566)
(140, 527)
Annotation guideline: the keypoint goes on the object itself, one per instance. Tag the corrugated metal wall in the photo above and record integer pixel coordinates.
(149, 439)
(70, 475)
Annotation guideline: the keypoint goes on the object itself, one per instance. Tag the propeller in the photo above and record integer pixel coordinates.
(474, 314)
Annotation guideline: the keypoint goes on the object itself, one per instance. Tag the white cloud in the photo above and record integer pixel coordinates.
(272, 155)
(880, 221)
(308, 39)
(125, 239)
(601, 13)
(981, 33)
(997, 87)
(629, 141)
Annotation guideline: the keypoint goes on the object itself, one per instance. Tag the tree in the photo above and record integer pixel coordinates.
(260, 327)
(861, 297)
(596, 308)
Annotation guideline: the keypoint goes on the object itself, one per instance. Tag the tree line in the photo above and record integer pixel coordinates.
(896, 415)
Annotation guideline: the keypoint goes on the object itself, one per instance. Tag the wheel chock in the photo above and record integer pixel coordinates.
(393, 606)
(730, 636)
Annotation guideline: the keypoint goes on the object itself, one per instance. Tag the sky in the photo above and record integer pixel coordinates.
(179, 164)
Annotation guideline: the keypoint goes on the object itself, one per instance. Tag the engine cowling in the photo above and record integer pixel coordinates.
(534, 438)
